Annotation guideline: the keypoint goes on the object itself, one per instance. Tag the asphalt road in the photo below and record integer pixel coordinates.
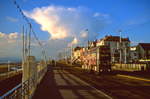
(66, 83)
(117, 86)
(60, 84)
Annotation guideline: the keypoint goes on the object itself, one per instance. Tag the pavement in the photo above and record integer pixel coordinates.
(60, 84)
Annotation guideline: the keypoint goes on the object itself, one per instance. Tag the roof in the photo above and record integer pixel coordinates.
(101, 47)
(145, 46)
(92, 43)
(115, 38)
(77, 48)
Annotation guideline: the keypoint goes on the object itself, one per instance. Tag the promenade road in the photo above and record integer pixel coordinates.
(59, 84)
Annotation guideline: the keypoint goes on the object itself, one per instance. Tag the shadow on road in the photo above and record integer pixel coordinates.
(80, 86)
(47, 89)
(64, 86)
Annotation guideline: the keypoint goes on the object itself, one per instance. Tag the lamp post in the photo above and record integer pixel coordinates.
(8, 66)
(125, 55)
(120, 49)
(71, 54)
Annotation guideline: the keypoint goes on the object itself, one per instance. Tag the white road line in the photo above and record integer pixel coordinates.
(93, 88)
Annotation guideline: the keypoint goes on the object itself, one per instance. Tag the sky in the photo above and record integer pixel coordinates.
(61, 23)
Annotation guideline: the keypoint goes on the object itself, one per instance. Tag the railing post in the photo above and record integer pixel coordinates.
(29, 70)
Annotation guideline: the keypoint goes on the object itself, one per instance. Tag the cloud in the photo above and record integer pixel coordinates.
(65, 25)
(68, 25)
(10, 45)
(101, 15)
(11, 19)
(50, 21)
(62, 22)
(74, 42)
(13, 35)
(7, 39)
(10, 36)
(2, 35)
(84, 33)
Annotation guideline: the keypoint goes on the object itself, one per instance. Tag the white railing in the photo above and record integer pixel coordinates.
(130, 67)
(26, 89)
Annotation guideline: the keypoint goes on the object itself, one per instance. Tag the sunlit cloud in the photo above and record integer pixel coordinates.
(9, 36)
(62, 22)
(73, 42)
(2, 35)
(67, 25)
(11, 44)
(13, 35)
(7, 39)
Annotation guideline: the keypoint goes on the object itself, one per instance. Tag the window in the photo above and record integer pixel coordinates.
(108, 43)
(126, 44)
(134, 54)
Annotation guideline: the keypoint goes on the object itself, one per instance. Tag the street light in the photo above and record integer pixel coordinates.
(120, 49)
(8, 68)
(8, 65)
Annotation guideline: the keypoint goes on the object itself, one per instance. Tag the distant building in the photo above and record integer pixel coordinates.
(97, 59)
(92, 44)
(134, 55)
(78, 53)
(144, 50)
(115, 46)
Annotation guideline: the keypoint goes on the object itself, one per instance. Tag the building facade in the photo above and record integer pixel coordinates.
(119, 47)
(78, 53)
(134, 55)
(144, 50)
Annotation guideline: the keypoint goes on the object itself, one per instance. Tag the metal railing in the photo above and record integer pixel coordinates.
(26, 88)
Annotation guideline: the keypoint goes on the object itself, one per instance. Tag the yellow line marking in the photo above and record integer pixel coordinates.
(132, 77)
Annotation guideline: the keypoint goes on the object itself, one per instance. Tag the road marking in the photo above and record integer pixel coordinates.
(133, 77)
(97, 90)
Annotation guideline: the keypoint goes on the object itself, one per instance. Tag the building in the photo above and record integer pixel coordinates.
(97, 59)
(134, 55)
(144, 50)
(92, 44)
(119, 47)
(78, 53)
